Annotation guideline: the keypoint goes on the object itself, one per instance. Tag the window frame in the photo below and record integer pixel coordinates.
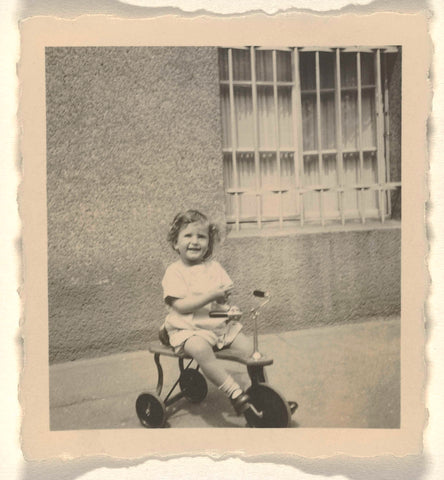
(382, 187)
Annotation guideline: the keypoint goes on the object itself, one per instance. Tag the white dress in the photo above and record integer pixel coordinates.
(181, 280)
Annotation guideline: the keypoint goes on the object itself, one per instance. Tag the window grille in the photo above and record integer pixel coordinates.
(304, 134)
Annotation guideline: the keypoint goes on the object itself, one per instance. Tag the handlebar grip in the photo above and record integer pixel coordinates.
(218, 315)
(260, 293)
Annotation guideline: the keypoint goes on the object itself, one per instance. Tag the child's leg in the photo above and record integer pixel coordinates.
(202, 352)
(242, 344)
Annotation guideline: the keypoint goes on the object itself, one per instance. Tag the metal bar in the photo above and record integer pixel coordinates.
(316, 49)
(176, 383)
(379, 129)
(237, 83)
(233, 137)
(387, 134)
(322, 90)
(237, 47)
(361, 154)
(279, 83)
(302, 208)
(340, 160)
(358, 49)
(361, 48)
(255, 336)
(319, 137)
(280, 49)
(362, 203)
(159, 374)
(382, 195)
(363, 87)
(390, 49)
(332, 151)
(257, 166)
(256, 374)
(276, 135)
(173, 399)
(297, 128)
(321, 205)
(181, 367)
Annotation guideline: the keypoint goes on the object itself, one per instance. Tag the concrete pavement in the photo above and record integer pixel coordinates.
(343, 376)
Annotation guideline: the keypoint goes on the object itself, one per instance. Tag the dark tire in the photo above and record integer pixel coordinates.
(150, 410)
(193, 385)
(272, 409)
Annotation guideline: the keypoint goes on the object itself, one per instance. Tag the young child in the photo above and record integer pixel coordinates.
(193, 286)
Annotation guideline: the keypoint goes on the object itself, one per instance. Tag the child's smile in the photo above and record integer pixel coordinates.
(192, 243)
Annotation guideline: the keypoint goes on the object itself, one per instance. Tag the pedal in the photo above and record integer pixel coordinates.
(255, 411)
(293, 406)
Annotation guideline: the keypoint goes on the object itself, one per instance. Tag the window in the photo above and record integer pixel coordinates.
(304, 136)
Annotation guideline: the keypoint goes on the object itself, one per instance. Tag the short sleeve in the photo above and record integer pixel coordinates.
(222, 274)
(173, 283)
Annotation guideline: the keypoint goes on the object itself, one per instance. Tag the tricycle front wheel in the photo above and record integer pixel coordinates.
(151, 410)
(270, 410)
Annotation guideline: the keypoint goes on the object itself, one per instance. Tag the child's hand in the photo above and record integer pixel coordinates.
(222, 293)
(234, 313)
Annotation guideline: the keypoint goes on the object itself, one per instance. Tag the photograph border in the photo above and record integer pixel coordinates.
(409, 31)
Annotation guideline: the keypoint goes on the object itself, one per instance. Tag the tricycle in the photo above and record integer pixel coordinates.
(268, 407)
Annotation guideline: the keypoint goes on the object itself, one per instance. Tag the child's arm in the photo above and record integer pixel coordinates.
(193, 302)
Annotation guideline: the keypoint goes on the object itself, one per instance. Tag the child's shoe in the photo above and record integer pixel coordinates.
(241, 403)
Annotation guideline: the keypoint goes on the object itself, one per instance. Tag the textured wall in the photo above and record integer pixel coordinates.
(317, 279)
(133, 136)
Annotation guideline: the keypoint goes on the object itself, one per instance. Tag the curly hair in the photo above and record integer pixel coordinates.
(182, 219)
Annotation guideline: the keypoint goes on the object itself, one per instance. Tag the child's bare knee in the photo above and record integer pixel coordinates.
(243, 344)
(197, 347)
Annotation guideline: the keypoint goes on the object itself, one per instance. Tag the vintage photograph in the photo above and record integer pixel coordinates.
(223, 235)
(180, 180)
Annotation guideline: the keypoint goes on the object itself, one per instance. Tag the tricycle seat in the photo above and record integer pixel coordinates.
(226, 354)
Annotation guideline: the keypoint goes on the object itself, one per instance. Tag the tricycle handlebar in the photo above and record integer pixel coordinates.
(218, 314)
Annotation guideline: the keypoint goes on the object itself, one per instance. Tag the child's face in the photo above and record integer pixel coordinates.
(192, 243)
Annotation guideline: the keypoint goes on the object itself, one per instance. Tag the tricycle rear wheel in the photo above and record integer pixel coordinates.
(193, 385)
(151, 410)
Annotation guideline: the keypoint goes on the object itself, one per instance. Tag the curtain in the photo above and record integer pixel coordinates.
(321, 162)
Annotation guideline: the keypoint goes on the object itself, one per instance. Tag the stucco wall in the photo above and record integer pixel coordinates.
(133, 136)
(319, 278)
